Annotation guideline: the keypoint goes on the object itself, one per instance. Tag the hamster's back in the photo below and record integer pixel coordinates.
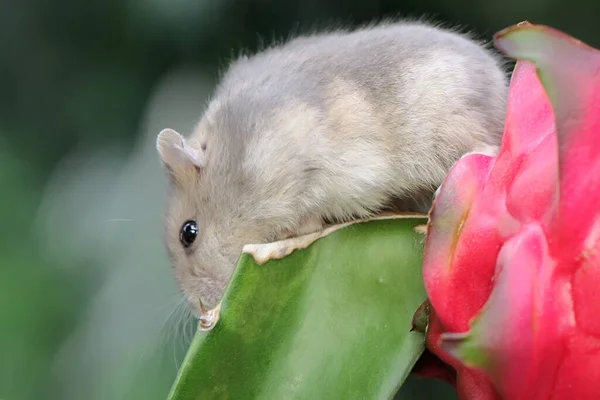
(381, 59)
(377, 112)
(408, 71)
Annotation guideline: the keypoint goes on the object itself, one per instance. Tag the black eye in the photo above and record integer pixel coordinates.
(188, 233)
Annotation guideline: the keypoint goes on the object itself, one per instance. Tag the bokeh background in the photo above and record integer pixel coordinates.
(88, 308)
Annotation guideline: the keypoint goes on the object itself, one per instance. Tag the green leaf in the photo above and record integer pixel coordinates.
(329, 321)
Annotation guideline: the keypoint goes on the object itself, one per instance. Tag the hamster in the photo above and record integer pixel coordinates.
(325, 127)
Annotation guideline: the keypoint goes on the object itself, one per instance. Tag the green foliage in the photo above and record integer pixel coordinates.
(329, 321)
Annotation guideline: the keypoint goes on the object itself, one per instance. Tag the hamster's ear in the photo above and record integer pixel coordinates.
(175, 152)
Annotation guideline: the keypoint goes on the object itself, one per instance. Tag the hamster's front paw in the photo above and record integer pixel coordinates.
(313, 224)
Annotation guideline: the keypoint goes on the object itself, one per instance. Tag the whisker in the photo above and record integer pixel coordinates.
(183, 339)
(189, 327)
(159, 217)
(165, 329)
(178, 333)
(119, 220)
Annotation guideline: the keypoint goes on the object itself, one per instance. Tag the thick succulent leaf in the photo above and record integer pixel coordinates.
(330, 321)
(515, 337)
(570, 73)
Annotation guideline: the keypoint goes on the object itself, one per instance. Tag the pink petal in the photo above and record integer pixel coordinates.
(469, 383)
(570, 72)
(585, 284)
(579, 374)
(482, 203)
(475, 384)
(529, 115)
(514, 338)
(444, 268)
(528, 161)
(533, 193)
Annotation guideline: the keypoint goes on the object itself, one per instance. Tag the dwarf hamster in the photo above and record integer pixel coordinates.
(324, 127)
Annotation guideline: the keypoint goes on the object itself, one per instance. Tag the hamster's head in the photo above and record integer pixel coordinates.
(205, 221)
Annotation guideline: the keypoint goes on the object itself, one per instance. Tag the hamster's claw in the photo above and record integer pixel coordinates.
(203, 309)
(208, 318)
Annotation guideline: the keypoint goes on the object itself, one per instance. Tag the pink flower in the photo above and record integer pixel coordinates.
(512, 259)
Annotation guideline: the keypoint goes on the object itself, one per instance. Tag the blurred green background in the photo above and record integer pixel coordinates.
(88, 308)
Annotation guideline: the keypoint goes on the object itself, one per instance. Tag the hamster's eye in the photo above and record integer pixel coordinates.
(188, 233)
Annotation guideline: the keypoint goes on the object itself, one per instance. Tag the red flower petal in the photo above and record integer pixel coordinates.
(515, 337)
(586, 290)
(579, 374)
(536, 333)
(482, 202)
(469, 383)
(527, 161)
(445, 265)
(570, 71)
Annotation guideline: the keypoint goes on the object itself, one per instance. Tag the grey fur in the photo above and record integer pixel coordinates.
(326, 127)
